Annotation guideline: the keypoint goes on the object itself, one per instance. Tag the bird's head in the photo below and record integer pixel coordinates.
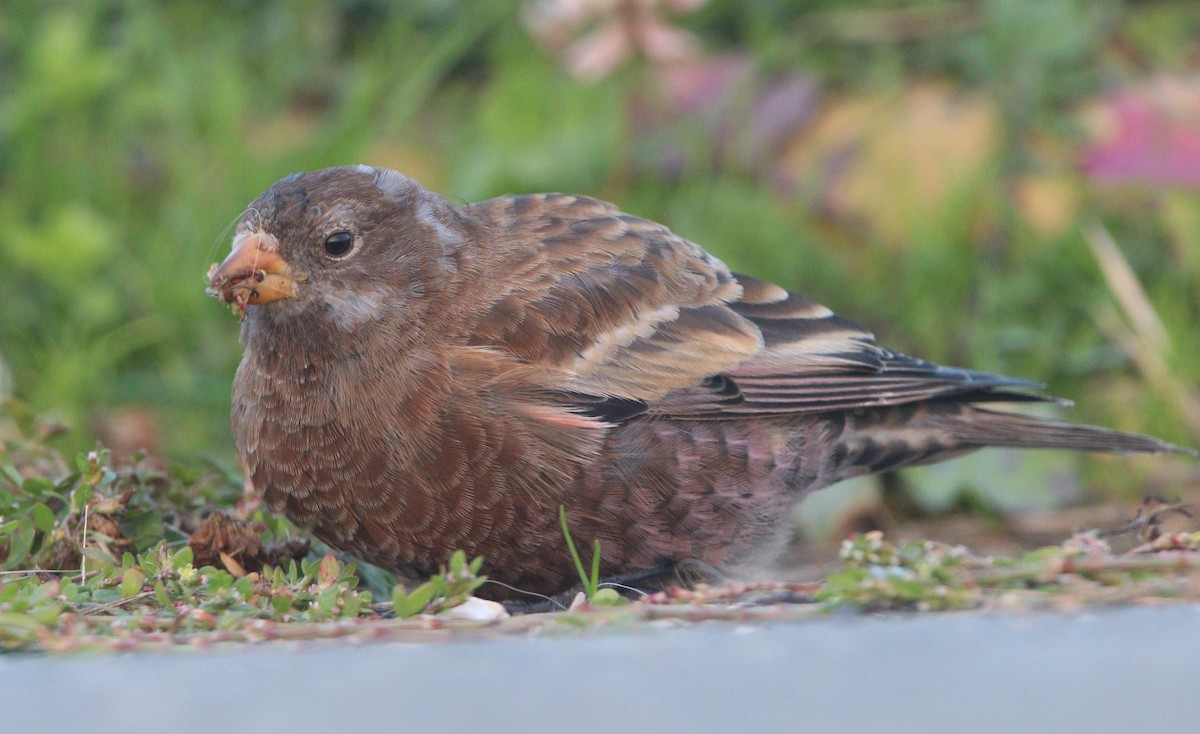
(341, 247)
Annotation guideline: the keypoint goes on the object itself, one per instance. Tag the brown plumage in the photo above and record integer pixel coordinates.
(421, 377)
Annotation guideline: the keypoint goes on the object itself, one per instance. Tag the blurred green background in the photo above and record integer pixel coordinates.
(952, 174)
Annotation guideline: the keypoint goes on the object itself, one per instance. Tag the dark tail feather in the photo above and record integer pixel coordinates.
(982, 427)
(891, 438)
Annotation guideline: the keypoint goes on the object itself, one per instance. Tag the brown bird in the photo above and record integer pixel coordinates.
(421, 377)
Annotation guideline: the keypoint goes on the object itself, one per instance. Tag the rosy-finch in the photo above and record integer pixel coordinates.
(421, 377)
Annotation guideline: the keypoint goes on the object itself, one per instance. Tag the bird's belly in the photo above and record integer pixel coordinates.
(717, 491)
(659, 492)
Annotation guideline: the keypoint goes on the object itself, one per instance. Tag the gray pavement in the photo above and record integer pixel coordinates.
(1126, 670)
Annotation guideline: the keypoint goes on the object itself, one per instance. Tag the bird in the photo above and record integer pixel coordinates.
(421, 377)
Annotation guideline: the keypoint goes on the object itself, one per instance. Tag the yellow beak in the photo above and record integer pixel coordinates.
(253, 274)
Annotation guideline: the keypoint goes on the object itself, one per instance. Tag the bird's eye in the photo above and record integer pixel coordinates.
(339, 244)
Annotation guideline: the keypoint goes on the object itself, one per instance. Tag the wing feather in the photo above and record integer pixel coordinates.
(635, 319)
(622, 306)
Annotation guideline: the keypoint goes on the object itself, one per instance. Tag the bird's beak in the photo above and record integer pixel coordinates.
(253, 274)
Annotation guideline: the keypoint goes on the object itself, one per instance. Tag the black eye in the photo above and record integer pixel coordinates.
(339, 244)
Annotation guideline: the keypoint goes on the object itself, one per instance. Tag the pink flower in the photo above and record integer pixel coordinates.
(1148, 133)
(619, 30)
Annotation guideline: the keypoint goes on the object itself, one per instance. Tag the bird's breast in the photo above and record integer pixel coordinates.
(406, 463)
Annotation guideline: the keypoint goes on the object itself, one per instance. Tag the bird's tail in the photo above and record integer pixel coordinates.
(909, 435)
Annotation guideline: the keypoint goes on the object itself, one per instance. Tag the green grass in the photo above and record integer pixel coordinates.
(590, 579)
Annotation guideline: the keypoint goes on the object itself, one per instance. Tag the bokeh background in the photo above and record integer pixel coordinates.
(1010, 185)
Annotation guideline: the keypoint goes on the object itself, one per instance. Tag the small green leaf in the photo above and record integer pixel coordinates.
(9, 591)
(327, 571)
(102, 557)
(47, 613)
(37, 486)
(80, 497)
(182, 557)
(457, 561)
(106, 596)
(281, 603)
(19, 622)
(131, 582)
(409, 603)
(351, 606)
(326, 600)
(45, 591)
(218, 578)
(607, 597)
(20, 541)
(244, 586)
(9, 472)
(150, 560)
(161, 596)
(43, 517)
